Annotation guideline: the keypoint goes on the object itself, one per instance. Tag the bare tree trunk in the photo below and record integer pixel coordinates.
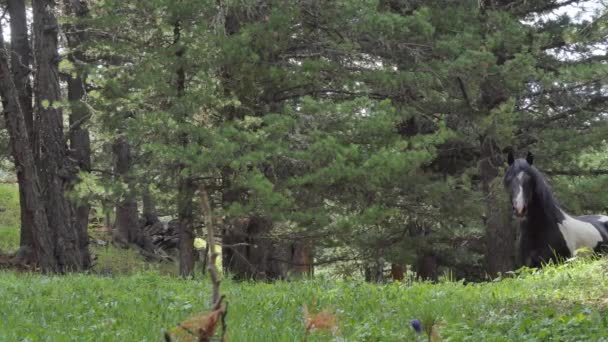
(374, 272)
(210, 225)
(149, 207)
(126, 223)
(235, 248)
(80, 143)
(42, 235)
(426, 266)
(20, 60)
(250, 252)
(55, 169)
(107, 220)
(301, 257)
(185, 216)
(500, 236)
(397, 272)
(185, 184)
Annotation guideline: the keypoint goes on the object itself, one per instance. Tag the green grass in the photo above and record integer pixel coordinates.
(9, 201)
(9, 239)
(9, 218)
(111, 260)
(564, 303)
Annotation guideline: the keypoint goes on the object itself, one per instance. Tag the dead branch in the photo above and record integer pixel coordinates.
(213, 272)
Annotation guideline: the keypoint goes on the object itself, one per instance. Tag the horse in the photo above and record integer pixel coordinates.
(548, 233)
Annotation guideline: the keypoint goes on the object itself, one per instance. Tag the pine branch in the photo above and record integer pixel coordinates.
(332, 93)
(577, 173)
(592, 104)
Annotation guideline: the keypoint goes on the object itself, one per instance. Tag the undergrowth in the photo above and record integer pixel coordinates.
(560, 303)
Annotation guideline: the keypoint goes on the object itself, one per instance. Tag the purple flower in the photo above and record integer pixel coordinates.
(416, 325)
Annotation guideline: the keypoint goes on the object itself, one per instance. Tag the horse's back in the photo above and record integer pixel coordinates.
(600, 222)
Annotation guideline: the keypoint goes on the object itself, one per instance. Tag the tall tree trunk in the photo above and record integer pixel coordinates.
(126, 223)
(80, 143)
(500, 236)
(21, 57)
(54, 166)
(185, 215)
(185, 184)
(42, 236)
(21, 61)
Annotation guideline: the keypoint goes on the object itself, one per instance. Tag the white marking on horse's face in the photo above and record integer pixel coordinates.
(603, 219)
(520, 176)
(518, 202)
(578, 234)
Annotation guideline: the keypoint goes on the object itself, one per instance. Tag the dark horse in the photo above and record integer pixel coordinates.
(548, 232)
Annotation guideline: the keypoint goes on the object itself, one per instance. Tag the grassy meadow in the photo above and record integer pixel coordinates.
(125, 299)
(9, 217)
(564, 303)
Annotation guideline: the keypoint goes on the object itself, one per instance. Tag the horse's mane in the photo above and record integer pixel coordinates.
(541, 190)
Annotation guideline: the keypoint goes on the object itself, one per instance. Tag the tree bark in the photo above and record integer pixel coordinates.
(185, 216)
(301, 256)
(250, 252)
(21, 57)
(42, 235)
(126, 224)
(235, 247)
(149, 207)
(374, 272)
(500, 236)
(427, 266)
(21, 61)
(55, 169)
(185, 184)
(397, 272)
(80, 143)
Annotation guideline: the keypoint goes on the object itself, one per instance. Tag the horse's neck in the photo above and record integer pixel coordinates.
(542, 218)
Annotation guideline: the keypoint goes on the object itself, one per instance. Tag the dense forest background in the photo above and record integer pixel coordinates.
(364, 135)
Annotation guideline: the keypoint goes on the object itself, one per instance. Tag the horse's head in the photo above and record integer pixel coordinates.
(518, 183)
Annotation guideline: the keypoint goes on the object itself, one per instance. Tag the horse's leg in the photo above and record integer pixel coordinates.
(532, 259)
(536, 259)
(527, 255)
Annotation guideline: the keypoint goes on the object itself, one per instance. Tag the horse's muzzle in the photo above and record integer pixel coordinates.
(519, 212)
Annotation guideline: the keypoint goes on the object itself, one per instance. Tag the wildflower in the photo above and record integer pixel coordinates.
(416, 325)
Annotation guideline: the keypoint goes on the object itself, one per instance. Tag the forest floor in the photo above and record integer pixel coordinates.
(560, 303)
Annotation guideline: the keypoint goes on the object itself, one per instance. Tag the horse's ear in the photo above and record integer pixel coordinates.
(510, 158)
(530, 158)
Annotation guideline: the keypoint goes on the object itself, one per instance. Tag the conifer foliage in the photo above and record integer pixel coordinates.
(362, 132)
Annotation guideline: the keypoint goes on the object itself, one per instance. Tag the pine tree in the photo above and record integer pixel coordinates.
(371, 131)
